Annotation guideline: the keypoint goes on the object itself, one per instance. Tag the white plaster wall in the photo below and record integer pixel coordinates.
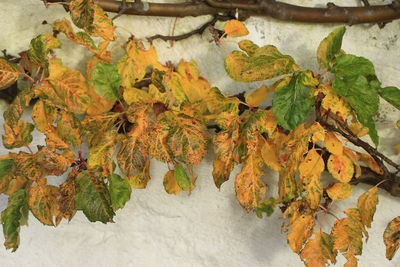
(208, 228)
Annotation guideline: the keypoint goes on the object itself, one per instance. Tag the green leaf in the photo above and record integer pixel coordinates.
(82, 13)
(6, 166)
(13, 217)
(182, 177)
(93, 197)
(40, 47)
(266, 207)
(106, 81)
(258, 64)
(391, 94)
(292, 100)
(120, 191)
(330, 47)
(362, 98)
(349, 65)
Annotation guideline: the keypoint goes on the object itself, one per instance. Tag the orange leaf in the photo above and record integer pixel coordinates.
(235, 28)
(339, 191)
(333, 144)
(371, 163)
(341, 167)
(269, 154)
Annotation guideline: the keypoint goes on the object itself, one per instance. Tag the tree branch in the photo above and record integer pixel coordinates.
(271, 8)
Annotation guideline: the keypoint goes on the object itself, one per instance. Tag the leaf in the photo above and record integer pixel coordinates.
(266, 207)
(224, 144)
(355, 80)
(42, 202)
(13, 217)
(367, 205)
(69, 128)
(293, 100)
(66, 89)
(8, 73)
(81, 38)
(44, 116)
(330, 47)
(40, 47)
(333, 144)
(101, 155)
(182, 178)
(310, 171)
(95, 124)
(391, 237)
(301, 224)
(391, 94)
(106, 81)
(82, 12)
(269, 154)
(339, 191)
(250, 189)
(341, 167)
(370, 162)
(179, 136)
(51, 162)
(134, 95)
(333, 102)
(258, 96)
(102, 26)
(17, 136)
(132, 67)
(235, 28)
(65, 199)
(264, 63)
(318, 251)
(347, 235)
(93, 197)
(120, 191)
(170, 183)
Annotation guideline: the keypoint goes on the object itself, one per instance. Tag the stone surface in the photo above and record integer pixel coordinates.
(208, 228)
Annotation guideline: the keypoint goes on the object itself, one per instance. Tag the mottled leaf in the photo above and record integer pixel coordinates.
(93, 197)
(329, 48)
(264, 63)
(9, 73)
(293, 100)
(82, 12)
(40, 47)
(391, 237)
(42, 202)
(13, 217)
(120, 191)
(341, 167)
(170, 183)
(102, 26)
(65, 199)
(235, 28)
(69, 128)
(101, 155)
(333, 144)
(17, 135)
(333, 102)
(318, 251)
(367, 203)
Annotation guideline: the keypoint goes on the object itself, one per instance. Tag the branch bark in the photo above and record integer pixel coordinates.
(268, 8)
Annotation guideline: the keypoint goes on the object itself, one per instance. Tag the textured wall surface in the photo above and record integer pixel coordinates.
(208, 228)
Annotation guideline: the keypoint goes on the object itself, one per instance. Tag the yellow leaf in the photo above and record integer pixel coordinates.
(370, 162)
(310, 171)
(341, 167)
(132, 95)
(224, 143)
(235, 28)
(367, 205)
(354, 158)
(170, 184)
(256, 97)
(102, 154)
(301, 224)
(82, 12)
(333, 102)
(43, 202)
(269, 153)
(397, 147)
(102, 25)
(339, 191)
(250, 189)
(318, 251)
(391, 237)
(8, 73)
(17, 134)
(132, 67)
(333, 144)
(358, 129)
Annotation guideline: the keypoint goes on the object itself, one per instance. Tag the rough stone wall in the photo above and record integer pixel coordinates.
(208, 228)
